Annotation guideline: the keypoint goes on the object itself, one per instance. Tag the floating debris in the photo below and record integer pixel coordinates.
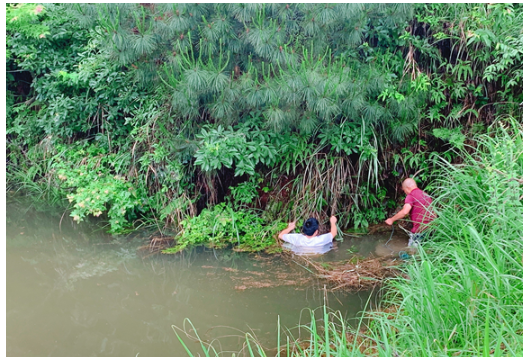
(360, 274)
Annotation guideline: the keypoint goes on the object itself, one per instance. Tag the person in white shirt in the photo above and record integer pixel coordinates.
(310, 236)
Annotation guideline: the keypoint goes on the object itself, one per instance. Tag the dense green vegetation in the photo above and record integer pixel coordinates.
(157, 111)
(464, 294)
(222, 121)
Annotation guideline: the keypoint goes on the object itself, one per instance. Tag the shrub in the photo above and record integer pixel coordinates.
(222, 226)
(94, 187)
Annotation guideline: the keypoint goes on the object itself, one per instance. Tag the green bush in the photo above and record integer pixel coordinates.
(327, 103)
(222, 226)
(95, 187)
(244, 148)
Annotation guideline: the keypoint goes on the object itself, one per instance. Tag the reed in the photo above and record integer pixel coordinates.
(464, 295)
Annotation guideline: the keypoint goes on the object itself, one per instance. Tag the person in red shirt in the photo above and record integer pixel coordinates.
(417, 205)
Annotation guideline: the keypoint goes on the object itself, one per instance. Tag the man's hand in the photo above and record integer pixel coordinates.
(400, 214)
(291, 226)
(334, 230)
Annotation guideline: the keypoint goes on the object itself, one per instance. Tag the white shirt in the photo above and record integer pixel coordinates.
(299, 239)
(305, 251)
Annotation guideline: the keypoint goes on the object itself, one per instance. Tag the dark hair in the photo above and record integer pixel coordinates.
(310, 226)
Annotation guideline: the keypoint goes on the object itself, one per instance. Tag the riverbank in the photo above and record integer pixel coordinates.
(464, 297)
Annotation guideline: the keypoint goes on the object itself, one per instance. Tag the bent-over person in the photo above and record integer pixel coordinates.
(417, 205)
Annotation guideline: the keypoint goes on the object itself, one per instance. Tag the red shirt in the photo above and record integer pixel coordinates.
(419, 214)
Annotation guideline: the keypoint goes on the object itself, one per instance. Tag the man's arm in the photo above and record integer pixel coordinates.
(287, 230)
(334, 230)
(401, 214)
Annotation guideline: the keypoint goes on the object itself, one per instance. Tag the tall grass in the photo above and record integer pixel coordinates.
(327, 333)
(33, 177)
(465, 294)
(36, 183)
(464, 291)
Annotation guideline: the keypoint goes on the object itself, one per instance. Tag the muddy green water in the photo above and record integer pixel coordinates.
(75, 291)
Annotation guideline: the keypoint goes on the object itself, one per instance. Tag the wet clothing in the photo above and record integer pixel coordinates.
(306, 251)
(420, 213)
(299, 239)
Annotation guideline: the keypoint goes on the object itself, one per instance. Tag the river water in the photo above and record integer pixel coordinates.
(73, 290)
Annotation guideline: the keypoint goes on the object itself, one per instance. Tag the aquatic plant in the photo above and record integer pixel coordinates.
(327, 333)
